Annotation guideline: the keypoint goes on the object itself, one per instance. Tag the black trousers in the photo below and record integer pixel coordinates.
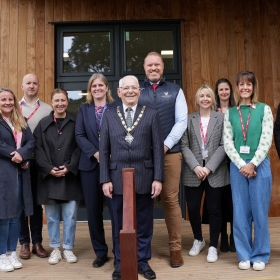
(213, 198)
(94, 196)
(36, 220)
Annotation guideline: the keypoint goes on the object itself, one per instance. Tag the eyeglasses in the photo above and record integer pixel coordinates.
(133, 88)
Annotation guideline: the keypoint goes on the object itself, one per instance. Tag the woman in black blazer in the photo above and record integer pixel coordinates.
(88, 124)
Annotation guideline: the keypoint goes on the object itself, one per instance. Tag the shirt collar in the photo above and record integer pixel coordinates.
(133, 107)
(23, 102)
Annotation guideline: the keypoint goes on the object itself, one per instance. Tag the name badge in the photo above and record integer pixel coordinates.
(244, 150)
(204, 153)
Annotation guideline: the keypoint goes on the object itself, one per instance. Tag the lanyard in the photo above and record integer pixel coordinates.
(33, 112)
(54, 119)
(244, 130)
(204, 137)
(14, 132)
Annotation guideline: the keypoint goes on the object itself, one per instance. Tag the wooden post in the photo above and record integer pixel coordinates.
(128, 235)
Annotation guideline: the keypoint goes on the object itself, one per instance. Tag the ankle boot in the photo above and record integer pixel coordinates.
(232, 244)
(224, 243)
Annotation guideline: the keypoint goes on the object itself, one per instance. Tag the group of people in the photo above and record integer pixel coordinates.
(222, 149)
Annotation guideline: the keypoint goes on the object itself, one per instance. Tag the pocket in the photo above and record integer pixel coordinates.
(113, 165)
(148, 163)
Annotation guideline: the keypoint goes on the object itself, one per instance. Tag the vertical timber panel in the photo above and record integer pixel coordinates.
(40, 45)
(49, 50)
(14, 80)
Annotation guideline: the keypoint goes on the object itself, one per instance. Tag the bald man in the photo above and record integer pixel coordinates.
(33, 110)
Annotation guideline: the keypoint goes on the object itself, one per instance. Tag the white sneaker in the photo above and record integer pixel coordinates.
(5, 264)
(197, 247)
(13, 259)
(244, 265)
(212, 255)
(69, 256)
(258, 265)
(55, 257)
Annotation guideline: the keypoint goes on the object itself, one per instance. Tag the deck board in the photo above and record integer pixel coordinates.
(194, 267)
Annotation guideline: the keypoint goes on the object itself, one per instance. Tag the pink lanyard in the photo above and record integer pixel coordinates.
(244, 130)
(14, 132)
(202, 134)
(33, 112)
(54, 119)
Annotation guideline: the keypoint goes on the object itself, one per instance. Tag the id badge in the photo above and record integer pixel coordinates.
(244, 150)
(205, 153)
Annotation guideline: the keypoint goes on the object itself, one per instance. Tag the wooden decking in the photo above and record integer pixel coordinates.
(194, 267)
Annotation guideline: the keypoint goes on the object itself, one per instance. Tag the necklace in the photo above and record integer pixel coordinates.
(129, 138)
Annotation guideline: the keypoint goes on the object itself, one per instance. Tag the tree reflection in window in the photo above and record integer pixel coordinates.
(139, 43)
(86, 52)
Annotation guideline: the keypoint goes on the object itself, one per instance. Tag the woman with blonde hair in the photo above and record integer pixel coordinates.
(16, 147)
(88, 126)
(204, 169)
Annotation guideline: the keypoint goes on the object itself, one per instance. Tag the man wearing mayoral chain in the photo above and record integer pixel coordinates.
(131, 138)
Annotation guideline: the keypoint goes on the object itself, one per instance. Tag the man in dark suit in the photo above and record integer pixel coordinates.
(131, 138)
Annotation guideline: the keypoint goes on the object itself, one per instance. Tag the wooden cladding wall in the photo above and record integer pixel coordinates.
(219, 39)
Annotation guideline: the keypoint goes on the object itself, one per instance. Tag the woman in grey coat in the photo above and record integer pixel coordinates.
(57, 157)
(204, 169)
(16, 147)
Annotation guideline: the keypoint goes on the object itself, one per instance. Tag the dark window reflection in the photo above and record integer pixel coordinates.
(76, 98)
(86, 52)
(139, 43)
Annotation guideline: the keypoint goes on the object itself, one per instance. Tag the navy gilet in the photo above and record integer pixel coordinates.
(163, 100)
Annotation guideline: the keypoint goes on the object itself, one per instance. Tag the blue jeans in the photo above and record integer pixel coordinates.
(251, 200)
(10, 228)
(69, 212)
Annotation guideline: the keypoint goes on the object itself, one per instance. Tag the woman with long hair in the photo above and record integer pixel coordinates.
(248, 137)
(16, 147)
(88, 126)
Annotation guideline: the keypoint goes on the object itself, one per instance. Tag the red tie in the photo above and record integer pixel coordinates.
(154, 86)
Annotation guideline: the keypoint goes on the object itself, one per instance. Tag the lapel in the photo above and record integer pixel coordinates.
(92, 119)
(2, 122)
(212, 122)
(196, 126)
(137, 112)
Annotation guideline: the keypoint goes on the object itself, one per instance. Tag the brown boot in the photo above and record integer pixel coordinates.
(25, 251)
(39, 250)
(176, 259)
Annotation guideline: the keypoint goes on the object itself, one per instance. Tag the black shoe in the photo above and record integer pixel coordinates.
(116, 274)
(100, 261)
(147, 272)
(224, 244)
(232, 244)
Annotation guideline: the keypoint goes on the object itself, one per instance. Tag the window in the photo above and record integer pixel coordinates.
(114, 48)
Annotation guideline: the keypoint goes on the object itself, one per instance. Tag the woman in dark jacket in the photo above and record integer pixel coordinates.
(89, 121)
(16, 147)
(57, 156)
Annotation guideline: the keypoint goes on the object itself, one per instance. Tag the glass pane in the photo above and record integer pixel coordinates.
(76, 98)
(139, 43)
(86, 52)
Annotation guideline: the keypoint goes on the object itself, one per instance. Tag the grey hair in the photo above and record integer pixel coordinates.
(129, 76)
